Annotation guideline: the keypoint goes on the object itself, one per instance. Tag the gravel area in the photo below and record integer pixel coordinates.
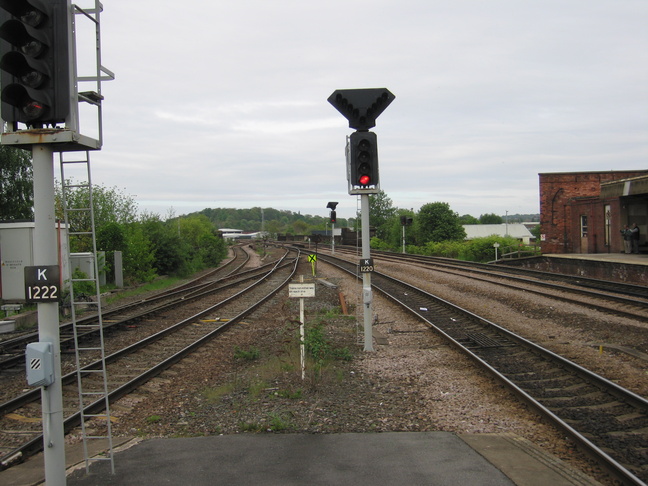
(249, 380)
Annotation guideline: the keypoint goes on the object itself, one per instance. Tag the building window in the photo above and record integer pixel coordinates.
(583, 221)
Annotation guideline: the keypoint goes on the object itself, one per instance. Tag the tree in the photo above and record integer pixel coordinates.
(393, 231)
(273, 227)
(139, 258)
(437, 222)
(490, 218)
(468, 219)
(199, 234)
(381, 211)
(300, 227)
(110, 205)
(170, 250)
(16, 184)
(111, 238)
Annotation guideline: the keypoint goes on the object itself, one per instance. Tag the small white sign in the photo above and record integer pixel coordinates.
(301, 290)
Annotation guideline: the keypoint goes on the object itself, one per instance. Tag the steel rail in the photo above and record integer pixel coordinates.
(491, 272)
(187, 290)
(35, 445)
(612, 465)
(623, 288)
(70, 378)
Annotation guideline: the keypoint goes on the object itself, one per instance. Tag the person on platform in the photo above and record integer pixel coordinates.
(635, 238)
(626, 234)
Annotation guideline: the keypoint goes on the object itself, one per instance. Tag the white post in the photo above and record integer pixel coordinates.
(45, 253)
(332, 237)
(367, 296)
(302, 345)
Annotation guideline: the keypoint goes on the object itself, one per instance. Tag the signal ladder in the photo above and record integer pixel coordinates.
(78, 209)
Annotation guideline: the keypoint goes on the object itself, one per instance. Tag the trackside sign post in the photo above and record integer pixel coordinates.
(301, 290)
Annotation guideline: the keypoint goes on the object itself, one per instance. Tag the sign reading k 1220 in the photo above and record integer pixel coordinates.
(366, 265)
(42, 283)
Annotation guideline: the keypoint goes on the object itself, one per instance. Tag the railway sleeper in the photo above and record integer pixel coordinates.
(603, 406)
(633, 416)
(625, 434)
(572, 388)
(557, 403)
(485, 341)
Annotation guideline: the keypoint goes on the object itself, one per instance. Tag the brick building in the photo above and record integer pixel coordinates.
(583, 212)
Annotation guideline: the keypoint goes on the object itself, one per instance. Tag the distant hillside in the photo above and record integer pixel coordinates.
(521, 218)
(282, 221)
(275, 220)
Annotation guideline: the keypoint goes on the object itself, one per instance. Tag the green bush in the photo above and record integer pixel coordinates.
(482, 249)
(378, 244)
(315, 343)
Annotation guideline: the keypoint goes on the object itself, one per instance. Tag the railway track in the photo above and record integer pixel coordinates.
(607, 421)
(133, 365)
(12, 349)
(136, 325)
(611, 297)
(619, 288)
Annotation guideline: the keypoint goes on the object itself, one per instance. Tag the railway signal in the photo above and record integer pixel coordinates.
(35, 61)
(333, 217)
(363, 160)
(361, 107)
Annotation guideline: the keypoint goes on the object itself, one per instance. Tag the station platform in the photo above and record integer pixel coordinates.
(617, 267)
(626, 258)
(380, 459)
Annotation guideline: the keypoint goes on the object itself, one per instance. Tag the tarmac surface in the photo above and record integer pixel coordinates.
(394, 458)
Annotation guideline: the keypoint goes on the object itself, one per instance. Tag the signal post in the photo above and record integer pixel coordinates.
(39, 94)
(333, 219)
(361, 107)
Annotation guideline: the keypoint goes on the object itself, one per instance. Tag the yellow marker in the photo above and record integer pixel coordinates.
(22, 418)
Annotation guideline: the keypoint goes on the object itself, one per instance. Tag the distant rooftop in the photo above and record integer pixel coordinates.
(514, 230)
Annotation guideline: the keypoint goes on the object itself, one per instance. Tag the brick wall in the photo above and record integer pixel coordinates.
(564, 198)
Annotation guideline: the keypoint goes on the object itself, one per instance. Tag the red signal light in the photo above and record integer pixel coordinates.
(363, 161)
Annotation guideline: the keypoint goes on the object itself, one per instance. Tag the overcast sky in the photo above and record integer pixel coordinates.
(224, 103)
